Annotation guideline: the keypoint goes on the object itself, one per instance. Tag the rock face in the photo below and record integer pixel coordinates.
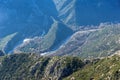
(32, 18)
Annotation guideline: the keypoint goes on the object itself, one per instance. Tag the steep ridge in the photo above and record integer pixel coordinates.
(66, 11)
(51, 41)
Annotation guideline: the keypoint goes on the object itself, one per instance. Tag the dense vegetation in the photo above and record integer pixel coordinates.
(35, 67)
(105, 69)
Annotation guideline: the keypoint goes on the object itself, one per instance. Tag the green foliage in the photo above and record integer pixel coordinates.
(34, 67)
(11, 65)
(105, 69)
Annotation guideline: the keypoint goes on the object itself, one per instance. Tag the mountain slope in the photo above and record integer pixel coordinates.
(31, 66)
(1, 53)
(51, 41)
(27, 18)
(4, 41)
(92, 43)
(34, 18)
(105, 69)
(75, 12)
